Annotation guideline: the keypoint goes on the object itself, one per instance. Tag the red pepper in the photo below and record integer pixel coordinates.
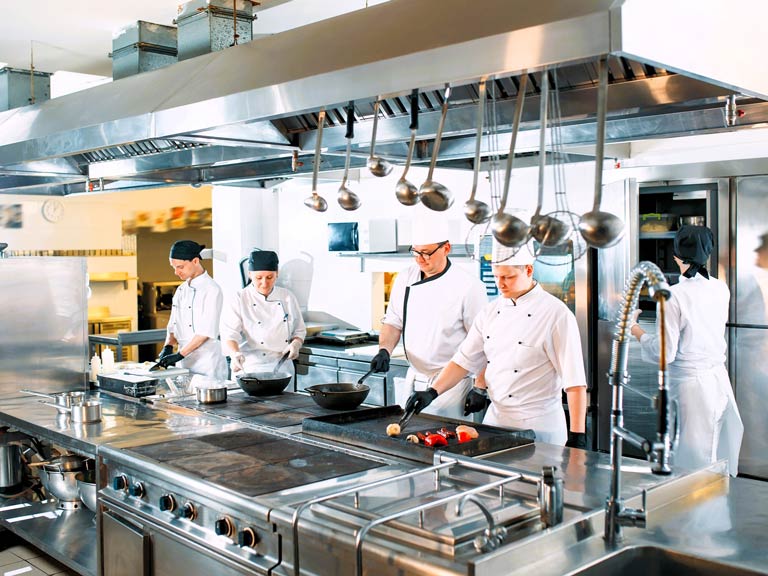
(447, 434)
(435, 440)
(463, 436)
(421, 436)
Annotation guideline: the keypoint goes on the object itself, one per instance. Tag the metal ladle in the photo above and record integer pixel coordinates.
(434, 195)
(407, 194)
(317, 202)
(377, 165)
(510, 230)
(476, 211)
(601, 229)
(347, 199)
(547, 230)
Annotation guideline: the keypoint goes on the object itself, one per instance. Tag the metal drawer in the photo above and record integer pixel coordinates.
(315, 360)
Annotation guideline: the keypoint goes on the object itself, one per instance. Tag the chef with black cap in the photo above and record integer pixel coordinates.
(195, 316)
(695, 317)
(263, 322)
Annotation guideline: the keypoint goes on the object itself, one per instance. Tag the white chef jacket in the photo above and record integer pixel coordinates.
(434, 315)
(532, 351)
(710, 424)
(263, 326)
(196, 311)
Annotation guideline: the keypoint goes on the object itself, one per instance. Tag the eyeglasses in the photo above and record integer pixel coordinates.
(427, 255)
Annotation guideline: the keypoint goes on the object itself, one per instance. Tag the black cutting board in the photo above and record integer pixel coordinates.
(368, 429)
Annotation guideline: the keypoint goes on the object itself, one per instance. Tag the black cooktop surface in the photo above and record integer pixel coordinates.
(253, 462)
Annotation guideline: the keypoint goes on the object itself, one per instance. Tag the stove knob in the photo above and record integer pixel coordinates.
(167, 503)
(136, 489)
(224, 527)
(120, 482)
(248, 537)
(188, 511)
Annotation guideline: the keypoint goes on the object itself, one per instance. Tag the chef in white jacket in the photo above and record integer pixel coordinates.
(528, 341)
(195, 316)
(432, 306)
(695, 317)
(263, 322)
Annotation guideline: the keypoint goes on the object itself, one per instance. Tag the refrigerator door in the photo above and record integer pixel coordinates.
(749, 321)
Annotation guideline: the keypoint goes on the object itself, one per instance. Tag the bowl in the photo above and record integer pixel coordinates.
(86, 488)
(343, 396)
(61, 485)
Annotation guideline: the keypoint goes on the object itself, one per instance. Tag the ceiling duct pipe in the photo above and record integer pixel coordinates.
(212, 25)
(23, 87)
(141, 47)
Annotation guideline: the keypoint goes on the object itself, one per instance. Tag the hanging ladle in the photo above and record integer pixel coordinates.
(510, 230)
(317, 202)
(601, 229)
(407, 194)
(434, 195)
(348, 199)
(377, 165)
(547, 230)
(476, 211)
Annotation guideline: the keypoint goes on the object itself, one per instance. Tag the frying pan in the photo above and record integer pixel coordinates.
(341, 396)
(263, 383)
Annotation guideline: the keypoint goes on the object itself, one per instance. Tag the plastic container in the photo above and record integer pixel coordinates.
(95, 368)
(107, 360)
(658, 222)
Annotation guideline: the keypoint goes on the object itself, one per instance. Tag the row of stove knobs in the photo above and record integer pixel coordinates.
(247, 537)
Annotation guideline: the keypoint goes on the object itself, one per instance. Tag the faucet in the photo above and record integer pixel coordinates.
(493, 535)
(660, 451)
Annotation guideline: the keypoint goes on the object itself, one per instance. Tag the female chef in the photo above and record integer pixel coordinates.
(263, 322)
(695, 317)
(195, 315)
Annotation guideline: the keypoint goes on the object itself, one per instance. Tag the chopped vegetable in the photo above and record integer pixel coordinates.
(393, 429)
(463, 436)
(468, 429)
(421, 436)
(448, 434)
(435, 440)
(412, 438)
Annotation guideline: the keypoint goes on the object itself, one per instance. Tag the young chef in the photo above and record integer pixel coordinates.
(529, 343)
(432, 306)
(263, 322)
(695, 317)
(195, 315)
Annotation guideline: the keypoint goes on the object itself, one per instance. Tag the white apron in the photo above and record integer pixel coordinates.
(196, 310)
(449, 404)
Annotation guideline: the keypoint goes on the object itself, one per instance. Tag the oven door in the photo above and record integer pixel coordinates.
(134, 545)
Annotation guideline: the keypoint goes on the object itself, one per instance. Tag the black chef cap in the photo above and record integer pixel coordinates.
(186, 250)
(262, 260)
(693, 245)
(763, 243)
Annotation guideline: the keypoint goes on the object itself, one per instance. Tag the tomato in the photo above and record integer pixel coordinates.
(435, 440)
(464, 436)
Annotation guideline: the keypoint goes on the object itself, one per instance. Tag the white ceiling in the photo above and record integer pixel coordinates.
(76, 35)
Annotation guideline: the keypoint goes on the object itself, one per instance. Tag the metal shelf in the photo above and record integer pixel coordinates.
(657, 235)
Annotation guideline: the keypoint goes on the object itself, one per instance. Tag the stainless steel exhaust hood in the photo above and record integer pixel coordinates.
(246, 113)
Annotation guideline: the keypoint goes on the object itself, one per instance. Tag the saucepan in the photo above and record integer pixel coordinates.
(263, 383)
(340, 396)
(62, 400)
(84, 412)
(211, 395)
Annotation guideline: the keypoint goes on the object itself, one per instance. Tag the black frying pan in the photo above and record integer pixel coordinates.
(263, 383)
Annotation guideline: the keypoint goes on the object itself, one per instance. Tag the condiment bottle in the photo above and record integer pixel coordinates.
(107, 360)
(95, 367)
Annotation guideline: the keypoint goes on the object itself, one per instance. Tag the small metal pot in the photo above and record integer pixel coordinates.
(692, 220)
(211, 395)
(10, 465)
(82, 413)
(62, 400)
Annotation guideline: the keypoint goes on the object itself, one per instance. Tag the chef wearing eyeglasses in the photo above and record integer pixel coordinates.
(432, 307)
(263, 322)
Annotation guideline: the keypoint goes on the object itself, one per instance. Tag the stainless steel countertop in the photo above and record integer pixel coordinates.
(362, 352)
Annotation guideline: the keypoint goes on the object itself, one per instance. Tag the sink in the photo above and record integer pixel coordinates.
(642, 560)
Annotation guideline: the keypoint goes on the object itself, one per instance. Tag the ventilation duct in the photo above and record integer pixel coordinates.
(212, 25)
(141, 47)
(23, 87)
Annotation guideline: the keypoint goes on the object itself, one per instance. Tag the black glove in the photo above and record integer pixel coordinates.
(171, 360)
(577, 440)
(380, 362)
(476, 400)
(420, 400)
(167, 351)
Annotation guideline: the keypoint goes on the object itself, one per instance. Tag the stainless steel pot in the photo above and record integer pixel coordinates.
(10, 465)
(84, 412)
(212, 395)
(692, 221)
(61, 400)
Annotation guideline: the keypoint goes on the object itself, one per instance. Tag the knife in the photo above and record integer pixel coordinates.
(407, 415)
(155, 367)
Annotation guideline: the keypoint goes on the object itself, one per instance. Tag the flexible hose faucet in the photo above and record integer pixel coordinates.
(659, 452)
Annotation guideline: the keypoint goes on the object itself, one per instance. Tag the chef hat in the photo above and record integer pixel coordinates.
(693, 244)
(506, 256)
(185, 250)
(429, 229)
(262, 260)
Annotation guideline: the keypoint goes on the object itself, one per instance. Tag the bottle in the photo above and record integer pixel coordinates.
(95, 367)
(107, 360)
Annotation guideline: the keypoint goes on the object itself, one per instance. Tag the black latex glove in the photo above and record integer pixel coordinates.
(380, 362)
(475, 401)
(171, 360)
(167, 351)
(420, 400)
(577, 440)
